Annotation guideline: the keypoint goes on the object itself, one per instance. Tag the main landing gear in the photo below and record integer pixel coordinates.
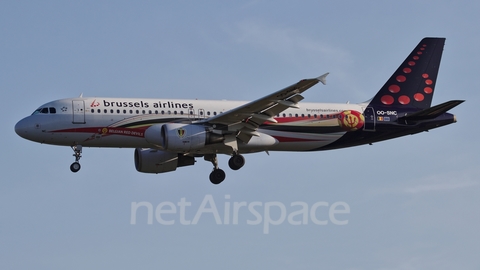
(218, 175)
(236, 162)
(77, 149)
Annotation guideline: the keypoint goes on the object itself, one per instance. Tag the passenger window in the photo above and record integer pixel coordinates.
(93, 111)
(99, 111)
(52, 110)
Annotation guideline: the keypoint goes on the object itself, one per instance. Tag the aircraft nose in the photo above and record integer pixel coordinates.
(23, 127)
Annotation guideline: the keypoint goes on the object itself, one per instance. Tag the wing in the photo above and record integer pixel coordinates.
(244, 120)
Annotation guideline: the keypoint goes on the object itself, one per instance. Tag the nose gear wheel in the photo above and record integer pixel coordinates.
(77, 149)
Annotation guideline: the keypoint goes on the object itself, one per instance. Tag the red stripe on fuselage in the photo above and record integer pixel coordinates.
(136, 132)
(289, 139)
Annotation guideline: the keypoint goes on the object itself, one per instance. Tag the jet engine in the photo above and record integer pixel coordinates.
(181, 137)
(149, 160)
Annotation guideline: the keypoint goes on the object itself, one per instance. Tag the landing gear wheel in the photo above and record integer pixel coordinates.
(77, 150)
(75, 167)
(236, 162)
(217, 176)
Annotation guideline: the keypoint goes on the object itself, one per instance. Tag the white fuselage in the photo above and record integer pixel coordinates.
(121, 122)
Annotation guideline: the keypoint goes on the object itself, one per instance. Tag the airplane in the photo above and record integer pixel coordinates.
(171, 133)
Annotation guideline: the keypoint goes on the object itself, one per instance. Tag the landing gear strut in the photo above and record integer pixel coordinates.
(217, 175)
(77, 149)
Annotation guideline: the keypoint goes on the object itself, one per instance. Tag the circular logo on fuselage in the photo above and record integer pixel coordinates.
(351, 120)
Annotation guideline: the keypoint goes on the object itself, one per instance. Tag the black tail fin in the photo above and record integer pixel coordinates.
(413, 83)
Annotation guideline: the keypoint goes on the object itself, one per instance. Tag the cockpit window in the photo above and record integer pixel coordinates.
(51, 110)
(37, 111)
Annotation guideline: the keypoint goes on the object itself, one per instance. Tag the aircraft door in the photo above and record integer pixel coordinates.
(369, 114)
(78, 111)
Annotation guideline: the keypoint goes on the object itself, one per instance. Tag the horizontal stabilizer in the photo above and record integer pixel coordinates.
(432, 112)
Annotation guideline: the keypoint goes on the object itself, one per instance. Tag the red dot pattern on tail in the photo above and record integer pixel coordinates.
(396, 88)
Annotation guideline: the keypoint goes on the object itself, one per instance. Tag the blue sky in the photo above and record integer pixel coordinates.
(413, 201)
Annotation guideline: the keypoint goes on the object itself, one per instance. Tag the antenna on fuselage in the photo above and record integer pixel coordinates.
(81, 95)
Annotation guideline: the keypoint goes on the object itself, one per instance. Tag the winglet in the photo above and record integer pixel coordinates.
(323, 78)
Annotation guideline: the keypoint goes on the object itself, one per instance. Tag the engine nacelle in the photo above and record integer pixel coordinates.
(149, 160)
(181, 137)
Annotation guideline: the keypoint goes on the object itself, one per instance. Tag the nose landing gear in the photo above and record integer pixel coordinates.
(77, 149)
(75, 167)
